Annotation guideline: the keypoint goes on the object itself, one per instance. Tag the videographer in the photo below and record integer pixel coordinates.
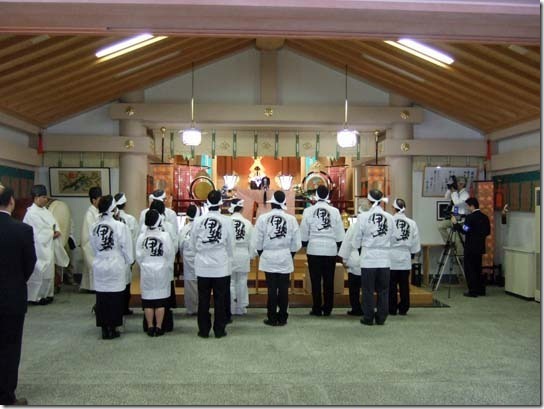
(458, 195)
(476, 228)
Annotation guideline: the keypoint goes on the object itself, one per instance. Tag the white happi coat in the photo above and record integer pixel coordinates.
(213, 241)
(43, 225)
(169, 214)
(405, 242)
(458, 199)
(322, 228)
(187, 252)
(155, 254)
(278, 235)
(132, 224)
(243, 248)
(113, 250)
(373, 235)
(349, 254)
(91, 216)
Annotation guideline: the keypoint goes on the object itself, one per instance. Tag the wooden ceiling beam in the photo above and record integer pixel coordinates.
(14, 43)
(416, 87)
(35, 51)
(68, 80)
(397, 84)
(78, 83)
(437, 77)
(471, 63)
(48, 69)
(511, 66)
(146, 78)
(523, 61)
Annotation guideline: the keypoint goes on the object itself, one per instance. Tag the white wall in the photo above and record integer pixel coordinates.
(305, 81)
(95, 122)
(439, 127)
(12, 135)
(530, 140)
(234, 79)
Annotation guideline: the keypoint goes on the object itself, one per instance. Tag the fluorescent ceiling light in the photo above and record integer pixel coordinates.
(443, 62)
(393, 68)
(147, 64)
(127, 46)
(518, 49)
(346, 138)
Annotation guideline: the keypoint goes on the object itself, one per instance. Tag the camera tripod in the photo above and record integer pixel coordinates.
(450, 249)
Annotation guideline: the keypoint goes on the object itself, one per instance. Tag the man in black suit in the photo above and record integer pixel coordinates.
(475, 228)
(17, 259)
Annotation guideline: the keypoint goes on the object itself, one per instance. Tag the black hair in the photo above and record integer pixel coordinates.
(472, 201)
(5, 196)
(237, 208)
(158, 206)
(104, 203)
(322, 192)
(401, 203)
(214, 197)
(280, 197)
(95, 193)
(191, 211)
(375, 195)
(151, 217)
(117, 197)
(38, 190)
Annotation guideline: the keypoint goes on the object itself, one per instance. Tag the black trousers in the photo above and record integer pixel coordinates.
(227, 301)
(127, 297)
(375, 279)
(278, 296)
(354, 285)
(11, 336)
(473, 273)
(399, 279)
(205, 287)
(322, 267)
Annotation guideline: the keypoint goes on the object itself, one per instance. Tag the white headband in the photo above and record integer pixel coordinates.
(274, 201)
(208, 204)
(377, 201)
(317, 198)
(240, 203)
(112, 208)
(396, 206)
(161, 197)
(122, 200)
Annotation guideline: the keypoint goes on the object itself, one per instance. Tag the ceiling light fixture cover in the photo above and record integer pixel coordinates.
(123, 44)
(192, 136)
(422, 51)
(346, 138)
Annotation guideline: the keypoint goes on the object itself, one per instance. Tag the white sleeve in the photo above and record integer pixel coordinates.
(296, 242)
(126, 244)
(258, 236)
(356, 243)
(139, 251)
(304, 226)
(250, 233)
(339, 229)
(416, 243)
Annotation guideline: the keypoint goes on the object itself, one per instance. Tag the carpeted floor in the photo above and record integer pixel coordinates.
(479, 351)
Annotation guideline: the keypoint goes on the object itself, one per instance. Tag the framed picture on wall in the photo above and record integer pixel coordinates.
(76, 182)
(442, 208)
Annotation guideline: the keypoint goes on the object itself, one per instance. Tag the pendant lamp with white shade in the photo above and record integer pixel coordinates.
(346, 138)
(192, 136)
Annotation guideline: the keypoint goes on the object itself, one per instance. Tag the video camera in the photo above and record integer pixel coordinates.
(452, 183)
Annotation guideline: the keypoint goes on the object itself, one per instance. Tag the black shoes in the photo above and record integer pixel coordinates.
(110, 333)
(355, 313)
(151, 331)
(159, 332)
(366, 322)
(469, 294)
(380, 322)
(202, 335)
(316, 313)
(270, 323)
(220, 334)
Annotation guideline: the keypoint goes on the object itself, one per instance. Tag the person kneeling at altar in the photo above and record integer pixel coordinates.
(113, 250)
(155, 254)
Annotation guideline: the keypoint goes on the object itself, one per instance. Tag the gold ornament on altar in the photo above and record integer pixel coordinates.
(405, 115)
(129, 144)
(130, 111)
(268, 112)
(405, 147)
(345, 220)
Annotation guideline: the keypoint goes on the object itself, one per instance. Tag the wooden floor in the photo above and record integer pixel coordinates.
(299, 293)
